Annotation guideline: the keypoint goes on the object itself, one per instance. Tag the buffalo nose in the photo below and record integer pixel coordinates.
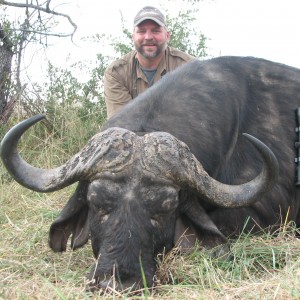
(111, 285)
(104, 285)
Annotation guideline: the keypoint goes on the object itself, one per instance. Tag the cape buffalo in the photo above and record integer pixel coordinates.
(175, 159)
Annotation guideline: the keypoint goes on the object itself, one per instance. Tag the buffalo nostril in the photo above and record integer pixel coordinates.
(104, 285)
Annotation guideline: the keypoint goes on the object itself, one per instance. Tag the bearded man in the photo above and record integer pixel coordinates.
(152, 58)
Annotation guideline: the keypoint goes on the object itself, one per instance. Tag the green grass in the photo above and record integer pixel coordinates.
(260, 267)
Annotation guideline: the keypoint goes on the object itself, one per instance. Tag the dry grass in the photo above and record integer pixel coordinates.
(261, 267)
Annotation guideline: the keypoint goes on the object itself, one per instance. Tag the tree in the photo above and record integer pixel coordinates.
(6, 55)
(34, 25)
(186, 37)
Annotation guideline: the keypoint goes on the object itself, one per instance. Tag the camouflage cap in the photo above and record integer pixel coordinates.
(150, 13)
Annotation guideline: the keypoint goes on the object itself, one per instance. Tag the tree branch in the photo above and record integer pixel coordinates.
(45, 10)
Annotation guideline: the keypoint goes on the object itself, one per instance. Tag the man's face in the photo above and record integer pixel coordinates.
(150, 39)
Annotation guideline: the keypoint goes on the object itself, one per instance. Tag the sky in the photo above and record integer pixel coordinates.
(260, 28)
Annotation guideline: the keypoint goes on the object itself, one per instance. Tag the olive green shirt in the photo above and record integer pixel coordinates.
(124, 78)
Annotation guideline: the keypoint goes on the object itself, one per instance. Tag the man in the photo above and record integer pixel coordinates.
(152, 58)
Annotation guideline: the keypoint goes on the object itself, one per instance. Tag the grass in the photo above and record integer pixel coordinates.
(260, 267)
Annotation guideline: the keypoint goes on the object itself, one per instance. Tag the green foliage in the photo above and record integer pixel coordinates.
(71, 105)
(184, 37)
(125, 44)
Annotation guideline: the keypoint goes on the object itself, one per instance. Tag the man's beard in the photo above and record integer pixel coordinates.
(159, 49)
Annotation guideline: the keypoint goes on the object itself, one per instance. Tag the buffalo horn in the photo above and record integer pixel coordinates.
(159, 153)
(174, 161)
(109, 150)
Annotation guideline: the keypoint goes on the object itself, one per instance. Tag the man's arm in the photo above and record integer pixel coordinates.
(115, 93)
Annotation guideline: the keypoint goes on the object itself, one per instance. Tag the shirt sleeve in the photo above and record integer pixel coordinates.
(116, 94)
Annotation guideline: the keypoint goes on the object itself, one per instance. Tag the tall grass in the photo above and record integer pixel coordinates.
(265, 266)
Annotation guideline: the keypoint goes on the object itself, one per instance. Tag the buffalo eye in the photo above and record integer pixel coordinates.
(154, 222)
(104, 218)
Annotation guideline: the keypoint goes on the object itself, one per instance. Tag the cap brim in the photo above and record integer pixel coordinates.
(149, 18)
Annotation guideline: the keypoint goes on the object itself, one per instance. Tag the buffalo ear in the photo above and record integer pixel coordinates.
(73, 219)
(207, 231)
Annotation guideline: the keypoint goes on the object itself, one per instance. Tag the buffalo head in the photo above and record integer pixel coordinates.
(128, 197)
